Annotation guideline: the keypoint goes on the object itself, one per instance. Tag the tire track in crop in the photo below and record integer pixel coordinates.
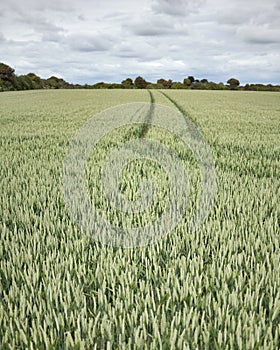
(147, 123)
(180, 108)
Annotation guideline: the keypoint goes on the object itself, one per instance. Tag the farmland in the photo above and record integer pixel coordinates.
(215, 288)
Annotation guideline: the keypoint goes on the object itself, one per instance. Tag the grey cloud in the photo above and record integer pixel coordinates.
(232, 18)
(54, 37)
(31, 22)
(176, 7)
(252, 12)
(135, 51)
(118, 15)
(151, 31)
(259, 35)
(81, 17)
(2, 38)
(88, 43)
(41, 25)
(28, 6)
(156, 26)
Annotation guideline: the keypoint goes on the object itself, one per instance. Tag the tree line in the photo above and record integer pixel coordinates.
(9, 81)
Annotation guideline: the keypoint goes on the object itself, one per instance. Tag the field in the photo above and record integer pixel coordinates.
(215, 288)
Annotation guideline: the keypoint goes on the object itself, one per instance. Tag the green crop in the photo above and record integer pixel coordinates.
(215, 288)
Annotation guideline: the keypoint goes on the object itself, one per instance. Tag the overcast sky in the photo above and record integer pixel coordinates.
(87, 41)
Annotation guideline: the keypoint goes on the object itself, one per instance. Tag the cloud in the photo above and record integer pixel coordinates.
(150, 27)
(176, 7)
(253, 34)
(156, 26)
(88, 41)
(81, 17)
(2, 38)
(40, 24)
(38, 6)
(150, 31)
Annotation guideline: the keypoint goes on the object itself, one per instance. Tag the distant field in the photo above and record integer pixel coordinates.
(217, 288)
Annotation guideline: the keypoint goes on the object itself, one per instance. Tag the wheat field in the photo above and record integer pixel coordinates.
(215, 288)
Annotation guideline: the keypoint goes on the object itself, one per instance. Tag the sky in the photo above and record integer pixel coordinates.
(88, 41)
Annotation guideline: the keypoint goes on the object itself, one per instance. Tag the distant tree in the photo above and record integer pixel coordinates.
(233, 83)
(18, 83)
(164, 84)
(221, 86)
(100, 85)
(152, 86)
(56, 83)
(6, 72)
(128, 83)
(178, 85)
(187, 82)
(37, 82)
(204, 81)
(191, 78)
(116, 86)
(160, 83)
(6, 77)
(24, 82)
(140, 83)
(198, 86)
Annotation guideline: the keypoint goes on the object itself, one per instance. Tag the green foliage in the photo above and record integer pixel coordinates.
(101, 85)
(140, 83)
(208, 86)
(152, 86)
(6, 72)
(25, 82)
(187, 82)
(37, 82)
(164, 84)
(261, 87)
(56, 83)
(128, 83)
(116, 86)
(191, 79)
(9, 82)
(233, 83)
(178, 85)
(6, 77)
(216, 288)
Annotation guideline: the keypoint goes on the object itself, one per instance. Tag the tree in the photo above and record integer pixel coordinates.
(152, 86)
(115, 86)
(187, 82)
(6, 72)
(24, 82)
(36, 81)
(100, 85)
(198, 86)
(178, 85)
(191, 78)
(140, 83)
(56, 83)
(233, 83)
(6, 77)
(128, 83)
(164, 84)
